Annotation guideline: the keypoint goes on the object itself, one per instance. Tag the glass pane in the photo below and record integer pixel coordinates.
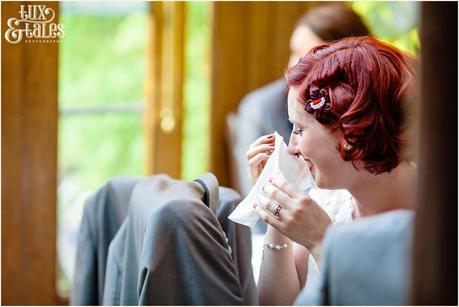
(102, 57)
(101, 96)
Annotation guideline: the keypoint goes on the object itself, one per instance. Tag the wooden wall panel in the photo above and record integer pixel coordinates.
(250, 48)
(29, 167)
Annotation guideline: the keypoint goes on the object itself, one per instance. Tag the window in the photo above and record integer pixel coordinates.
(102, 68)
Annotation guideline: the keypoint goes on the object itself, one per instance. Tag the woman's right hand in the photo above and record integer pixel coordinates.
(258, 154)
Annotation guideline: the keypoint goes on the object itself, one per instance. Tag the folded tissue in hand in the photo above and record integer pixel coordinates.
(294, 169)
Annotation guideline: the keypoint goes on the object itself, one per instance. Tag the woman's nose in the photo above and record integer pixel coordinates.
(293, 145)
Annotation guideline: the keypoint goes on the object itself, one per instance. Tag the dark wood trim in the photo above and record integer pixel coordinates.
(434, 276)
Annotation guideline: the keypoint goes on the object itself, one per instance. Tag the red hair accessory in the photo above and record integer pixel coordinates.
(317, 104)
(321, 109)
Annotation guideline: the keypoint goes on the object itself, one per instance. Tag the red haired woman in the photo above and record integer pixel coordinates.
(346, 101)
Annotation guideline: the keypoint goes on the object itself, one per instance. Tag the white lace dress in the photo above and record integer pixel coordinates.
(339, 206)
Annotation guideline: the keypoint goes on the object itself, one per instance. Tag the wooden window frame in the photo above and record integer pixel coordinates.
(163, 117)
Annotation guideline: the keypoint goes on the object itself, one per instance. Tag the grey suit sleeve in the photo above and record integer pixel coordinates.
(260, 112)
(249, 128)
(85, 280)
(113, 280)
(112, 287)
(366, 262)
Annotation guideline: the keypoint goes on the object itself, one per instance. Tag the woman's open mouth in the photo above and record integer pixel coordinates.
(309, 164)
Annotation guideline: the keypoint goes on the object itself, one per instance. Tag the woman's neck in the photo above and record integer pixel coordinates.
(375, 194)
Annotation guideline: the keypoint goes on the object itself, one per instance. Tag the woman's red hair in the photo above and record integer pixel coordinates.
(365, 83)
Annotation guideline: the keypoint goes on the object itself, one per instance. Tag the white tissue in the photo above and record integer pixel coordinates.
(295, 170)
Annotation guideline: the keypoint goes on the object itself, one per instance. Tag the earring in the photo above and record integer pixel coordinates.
(347, 146)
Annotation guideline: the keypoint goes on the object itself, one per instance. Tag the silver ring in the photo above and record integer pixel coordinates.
(276, 212)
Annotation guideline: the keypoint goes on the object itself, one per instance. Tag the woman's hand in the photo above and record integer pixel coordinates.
(258, 154)
(300, 218)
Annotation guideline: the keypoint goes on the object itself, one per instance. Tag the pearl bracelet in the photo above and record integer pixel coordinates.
(277, 247)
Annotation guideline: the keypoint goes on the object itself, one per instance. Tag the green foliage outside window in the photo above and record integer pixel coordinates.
(102, 64)
(395, 22)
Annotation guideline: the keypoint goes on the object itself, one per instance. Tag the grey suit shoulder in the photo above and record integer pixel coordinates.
(364, 263)
(260, 112)
(266, 108)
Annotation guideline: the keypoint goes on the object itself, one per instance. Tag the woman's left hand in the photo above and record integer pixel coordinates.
(300, 218)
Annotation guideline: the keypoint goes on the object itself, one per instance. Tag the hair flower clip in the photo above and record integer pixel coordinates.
(321, 109)
(317, 104)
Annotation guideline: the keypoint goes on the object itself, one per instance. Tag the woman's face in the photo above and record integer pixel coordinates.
(317, 145)
(302, 40)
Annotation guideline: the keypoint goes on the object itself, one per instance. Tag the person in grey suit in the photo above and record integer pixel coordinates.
(155, 240)
(172, 249)
(349, 102)
(367, 262)
(264, 110)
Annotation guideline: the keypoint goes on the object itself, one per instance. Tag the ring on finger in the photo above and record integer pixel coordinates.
(276, 211)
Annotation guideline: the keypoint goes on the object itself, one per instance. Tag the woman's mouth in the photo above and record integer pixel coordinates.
(309, 164)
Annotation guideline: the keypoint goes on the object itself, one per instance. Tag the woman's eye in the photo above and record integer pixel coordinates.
(297, 131)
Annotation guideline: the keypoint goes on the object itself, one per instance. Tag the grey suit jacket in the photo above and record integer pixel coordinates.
(366, 262)
(172, 249)
(102, 216)
(261, 112)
